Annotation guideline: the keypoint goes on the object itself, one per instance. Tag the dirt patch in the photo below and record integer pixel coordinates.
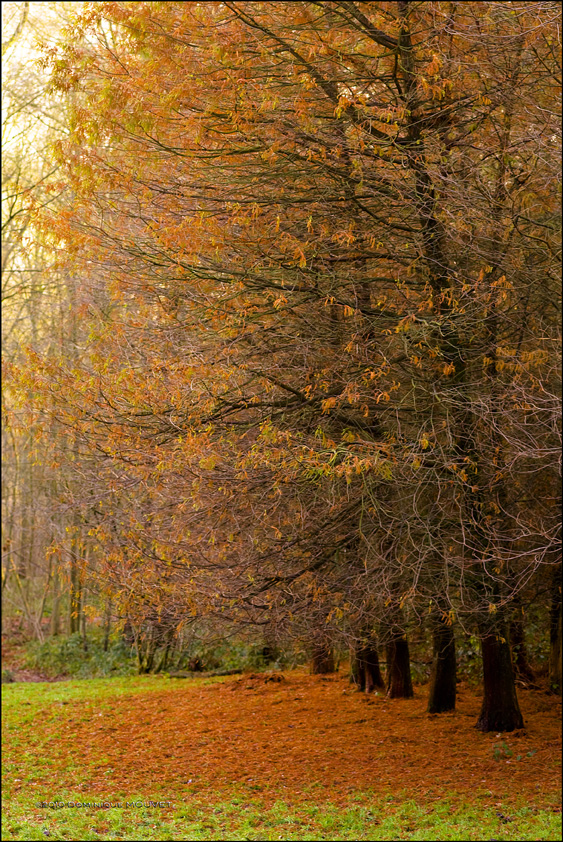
(28, 675)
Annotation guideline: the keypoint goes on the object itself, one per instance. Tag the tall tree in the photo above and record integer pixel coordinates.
(327, 234)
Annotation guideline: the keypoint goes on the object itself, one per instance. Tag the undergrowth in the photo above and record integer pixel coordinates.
(70, 657)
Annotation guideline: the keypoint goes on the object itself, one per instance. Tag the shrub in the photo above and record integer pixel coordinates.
(69, 657)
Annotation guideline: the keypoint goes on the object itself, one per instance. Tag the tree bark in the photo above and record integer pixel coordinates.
(399, 682)
(75, 601)
(163, 663)
(107, 625)
(56, 609)
(366, 671)
(520, 662)
(83, 629)
(555, 632)
(270, 653)
(443, 682)
(322, 661)
(128, 634)
(500, 710)
(146, 650)
(355, 677)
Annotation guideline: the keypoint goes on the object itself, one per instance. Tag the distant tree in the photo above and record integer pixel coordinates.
(35, 301)
(442, 696)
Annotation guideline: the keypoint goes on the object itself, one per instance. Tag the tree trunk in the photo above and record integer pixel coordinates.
(107, 625)
(128, 634)
(270, 653)
(443, 681)
(56, 609)
(500, 710)
(83, 624)
(519, 655)
(555, 632)
(322, 661)
(355, 677)
(399, 682)
(75, 587)
(164, 659)
(366, 672)
(146, 650)
(85, 552)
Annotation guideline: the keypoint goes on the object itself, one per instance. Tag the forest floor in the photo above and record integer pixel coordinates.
(271, 756)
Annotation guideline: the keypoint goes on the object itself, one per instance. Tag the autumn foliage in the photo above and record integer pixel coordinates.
(314, 379)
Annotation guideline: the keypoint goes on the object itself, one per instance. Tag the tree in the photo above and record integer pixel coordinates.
(34, 298)
(326, 233)
(365, 667)
(442, 694)
(555, 632)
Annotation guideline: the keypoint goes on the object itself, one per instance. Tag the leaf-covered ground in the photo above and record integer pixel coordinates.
(303, 757)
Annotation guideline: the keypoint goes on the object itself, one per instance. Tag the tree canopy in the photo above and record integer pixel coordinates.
(315, 375)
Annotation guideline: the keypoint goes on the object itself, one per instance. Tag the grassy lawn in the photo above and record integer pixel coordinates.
(243, 759)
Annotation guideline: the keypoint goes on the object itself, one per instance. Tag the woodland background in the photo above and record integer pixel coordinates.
(281, 341)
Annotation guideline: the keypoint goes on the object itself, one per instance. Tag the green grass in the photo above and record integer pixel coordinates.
(239, 818)
(39, 694)
(239, 813)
